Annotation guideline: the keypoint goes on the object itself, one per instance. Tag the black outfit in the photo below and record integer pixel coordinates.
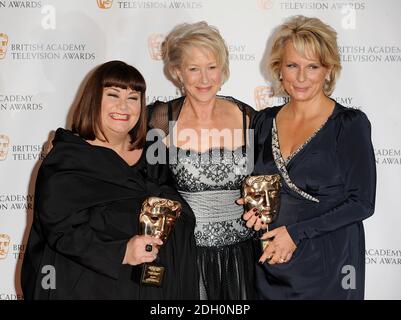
(87, 205)
(210, 182)
(328, 189)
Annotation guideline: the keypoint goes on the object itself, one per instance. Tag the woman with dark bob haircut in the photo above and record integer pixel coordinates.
(84, 241)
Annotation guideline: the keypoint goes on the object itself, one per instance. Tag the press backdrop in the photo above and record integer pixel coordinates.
(47, 47)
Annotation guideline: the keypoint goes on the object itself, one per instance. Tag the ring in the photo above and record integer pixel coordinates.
(265, 218)
(269, 258)
(148, 248)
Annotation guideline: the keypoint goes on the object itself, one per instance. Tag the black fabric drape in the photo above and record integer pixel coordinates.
(87, 202)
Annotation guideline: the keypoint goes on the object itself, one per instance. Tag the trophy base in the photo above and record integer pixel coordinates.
(152, 274)
(265, 244)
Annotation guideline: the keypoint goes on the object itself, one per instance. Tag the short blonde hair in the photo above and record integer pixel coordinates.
(199, 35)
(306, 35)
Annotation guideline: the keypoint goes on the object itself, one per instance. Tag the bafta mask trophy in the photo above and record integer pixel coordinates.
(157, 219)
(263, 193)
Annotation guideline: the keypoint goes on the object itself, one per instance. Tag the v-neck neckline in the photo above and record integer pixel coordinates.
(305, 143)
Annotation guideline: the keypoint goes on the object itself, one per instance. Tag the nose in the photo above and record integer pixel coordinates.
(204, 76)
(301, 75)
(123, 104)
(267, 198)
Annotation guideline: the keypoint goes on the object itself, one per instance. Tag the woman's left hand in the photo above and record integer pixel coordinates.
(280, 249)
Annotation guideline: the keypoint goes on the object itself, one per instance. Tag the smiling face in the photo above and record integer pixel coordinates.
(302, 78)
(120, 110)
(200, 74)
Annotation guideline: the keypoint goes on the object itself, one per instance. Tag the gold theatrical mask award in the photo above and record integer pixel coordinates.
(263, 193)
(157, 219)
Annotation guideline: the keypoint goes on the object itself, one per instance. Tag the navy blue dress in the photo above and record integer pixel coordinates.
(328, 189)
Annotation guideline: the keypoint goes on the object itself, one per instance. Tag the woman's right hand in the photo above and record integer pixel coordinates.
(252, 217)
(136, 253)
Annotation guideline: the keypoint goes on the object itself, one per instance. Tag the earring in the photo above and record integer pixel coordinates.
(327, 78)
(280, 77)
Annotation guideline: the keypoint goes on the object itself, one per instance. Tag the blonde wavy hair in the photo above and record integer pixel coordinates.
(199, 35)
(308, 36)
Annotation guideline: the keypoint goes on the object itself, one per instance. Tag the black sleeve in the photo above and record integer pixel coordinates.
(68, 230)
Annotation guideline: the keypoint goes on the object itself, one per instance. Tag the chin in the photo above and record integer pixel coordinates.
(205, 97)
(121, 131)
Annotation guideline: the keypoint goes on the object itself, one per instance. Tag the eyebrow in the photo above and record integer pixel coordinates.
(113, 88)
(119, 89)
(309, 61)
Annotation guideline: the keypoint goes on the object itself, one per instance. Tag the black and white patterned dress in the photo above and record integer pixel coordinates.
(210, 182)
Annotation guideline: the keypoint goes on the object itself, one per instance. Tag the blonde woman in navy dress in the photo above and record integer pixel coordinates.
(324, 154)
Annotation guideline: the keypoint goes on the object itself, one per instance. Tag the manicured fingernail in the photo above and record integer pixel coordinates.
(260, 262)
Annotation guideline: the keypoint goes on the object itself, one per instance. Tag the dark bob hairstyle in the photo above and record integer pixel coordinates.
(86, 120)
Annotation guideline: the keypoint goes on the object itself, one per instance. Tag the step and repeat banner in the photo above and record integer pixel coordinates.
(47, 47)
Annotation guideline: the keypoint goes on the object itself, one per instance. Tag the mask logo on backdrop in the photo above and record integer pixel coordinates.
(3, 45)
(104, 4)
(265, 4)
(155, 41)
(4, 245)
(263, 96)
(4, 143)
(23, 152)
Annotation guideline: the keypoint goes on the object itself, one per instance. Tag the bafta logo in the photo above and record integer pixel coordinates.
(263, 192)
(104, 4)
(265, 4)
(3, 45)
(157, 219)
(263, 97)
(155, 41)
(4, 143)
(4, 245)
